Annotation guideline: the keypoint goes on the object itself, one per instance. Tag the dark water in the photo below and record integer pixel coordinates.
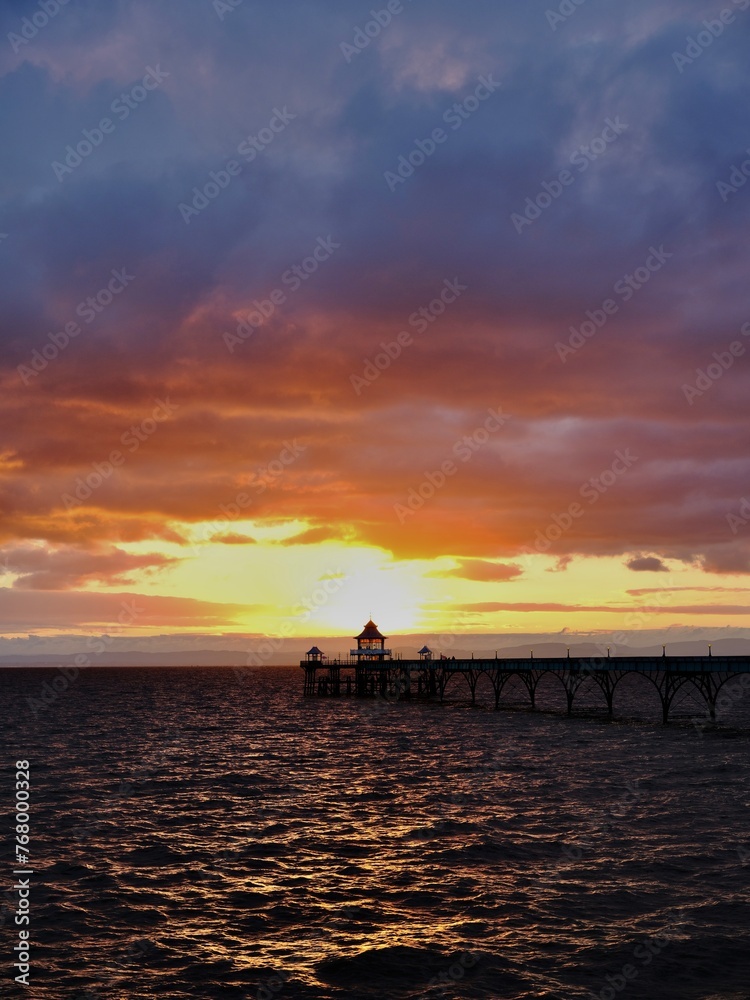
(194, 836)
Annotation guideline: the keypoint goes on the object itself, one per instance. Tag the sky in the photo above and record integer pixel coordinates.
(435, 312)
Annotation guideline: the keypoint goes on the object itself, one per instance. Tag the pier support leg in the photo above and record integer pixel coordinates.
(608, 688)
(530, 682)
(668, 689)
(309, 680)
(712, 691)
(498, 683)
(405, 683)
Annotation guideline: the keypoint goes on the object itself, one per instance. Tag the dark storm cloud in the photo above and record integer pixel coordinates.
(321, 175)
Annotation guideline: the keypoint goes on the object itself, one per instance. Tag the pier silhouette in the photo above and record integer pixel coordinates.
(371, 671)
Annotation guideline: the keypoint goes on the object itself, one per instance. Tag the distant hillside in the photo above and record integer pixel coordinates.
(481, 646)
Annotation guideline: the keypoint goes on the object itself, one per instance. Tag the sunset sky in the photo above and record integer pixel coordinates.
(441, 316)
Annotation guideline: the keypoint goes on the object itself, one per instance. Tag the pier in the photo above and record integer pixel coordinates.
(370, 671)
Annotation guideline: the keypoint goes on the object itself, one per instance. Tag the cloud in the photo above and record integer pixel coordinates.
(231, 538)
(491, 607)
(642, 592)
(647, 564)
(482, 571)
(314, 536)
(324, 176)
(24, 610)
(39, 568)
(532, 608)
(561, 565)
(727, 559)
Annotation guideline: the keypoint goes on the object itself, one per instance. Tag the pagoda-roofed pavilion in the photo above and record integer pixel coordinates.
(371, 644)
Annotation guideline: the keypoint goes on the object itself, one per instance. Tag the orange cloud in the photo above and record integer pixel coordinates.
(39, 568)
(528, 607)
(33, 610)
(482, 571)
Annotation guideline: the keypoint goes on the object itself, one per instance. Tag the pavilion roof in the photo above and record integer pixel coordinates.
(370, 631)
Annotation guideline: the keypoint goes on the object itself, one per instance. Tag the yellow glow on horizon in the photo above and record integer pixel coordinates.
(321, 589)
(331, 588)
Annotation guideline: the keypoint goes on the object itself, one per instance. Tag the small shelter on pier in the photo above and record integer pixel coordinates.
(371, 644)
(314, 655)
(425, 653)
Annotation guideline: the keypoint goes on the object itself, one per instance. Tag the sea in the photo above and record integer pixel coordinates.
(212, 833)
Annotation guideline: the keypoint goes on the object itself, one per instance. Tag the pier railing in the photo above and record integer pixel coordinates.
(404, 679)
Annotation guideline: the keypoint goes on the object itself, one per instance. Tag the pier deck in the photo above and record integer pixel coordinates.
(429, 679)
